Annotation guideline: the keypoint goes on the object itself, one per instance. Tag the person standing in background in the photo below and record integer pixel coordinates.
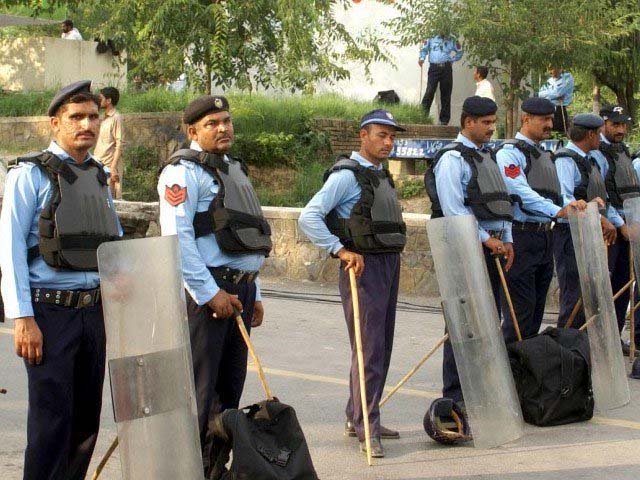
(111, 140)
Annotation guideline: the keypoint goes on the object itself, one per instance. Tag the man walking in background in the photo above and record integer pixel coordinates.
(111, 139)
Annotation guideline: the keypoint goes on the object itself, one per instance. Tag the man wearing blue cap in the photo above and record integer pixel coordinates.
(464, 179)
(50, 284)
(356, 217)
(529, 174)
(207, 200)
(615, 165)
(579, 180)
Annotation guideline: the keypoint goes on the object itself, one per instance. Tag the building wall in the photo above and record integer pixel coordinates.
(46, 63)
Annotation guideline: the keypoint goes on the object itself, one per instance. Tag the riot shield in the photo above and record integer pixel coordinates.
(149, 358)
(472, 320)
(608, 374)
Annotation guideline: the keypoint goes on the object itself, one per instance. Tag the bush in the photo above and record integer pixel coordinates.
(141, 174)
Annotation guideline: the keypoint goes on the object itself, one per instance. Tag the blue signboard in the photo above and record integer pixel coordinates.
(417, 148)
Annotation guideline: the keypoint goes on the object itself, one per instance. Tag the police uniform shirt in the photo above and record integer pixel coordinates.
(340, 192)
(191, 189)
(636, 167)
(569, 177)
(441, 50)
(559, 90)
(453, 174)
(617, 218)
(512, 163)
(27, 192)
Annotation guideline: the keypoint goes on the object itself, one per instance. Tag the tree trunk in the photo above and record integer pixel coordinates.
(511, 105)
(207, 86)
(597, 105)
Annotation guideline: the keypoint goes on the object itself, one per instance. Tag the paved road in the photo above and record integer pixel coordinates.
(303, 345)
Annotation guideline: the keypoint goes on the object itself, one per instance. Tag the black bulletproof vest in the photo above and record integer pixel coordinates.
(621, 181)
(78, 217)
(375, 224)
(591, 181)
(540, 171)
(234, 215)
(487, 194)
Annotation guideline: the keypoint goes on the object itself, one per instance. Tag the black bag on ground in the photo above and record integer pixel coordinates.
(552, 373)
(387, 96)
(267, 443)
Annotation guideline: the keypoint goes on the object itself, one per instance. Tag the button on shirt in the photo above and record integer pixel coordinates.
(27, 192)
(531, 200)
(198, 254)
(340, 192)
(453, 175)
(570, 177)
(559, 90)
(441, 50)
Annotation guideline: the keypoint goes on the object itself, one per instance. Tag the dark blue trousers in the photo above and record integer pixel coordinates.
(568, 276)
(65, 393)
(450, 380)
(528, 281)
(219, 357)
(378, 294)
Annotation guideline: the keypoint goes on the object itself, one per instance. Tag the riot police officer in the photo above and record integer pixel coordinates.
(615, 165)
(206, 198)
(57, 210)
(356, 217)
(530, 175)
(464, 179)
(580, 179)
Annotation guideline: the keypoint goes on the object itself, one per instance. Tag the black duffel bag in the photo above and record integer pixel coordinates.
(267, 443)
(552, 373)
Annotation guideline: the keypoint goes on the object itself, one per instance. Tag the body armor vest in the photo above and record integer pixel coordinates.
(375, 224)
(234, 215)
(621, 181)
(540, 171)
(591, 181)
(487, 194)
(78, 217)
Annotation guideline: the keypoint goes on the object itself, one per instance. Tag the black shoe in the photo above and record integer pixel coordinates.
(386, 433)
(376, 448)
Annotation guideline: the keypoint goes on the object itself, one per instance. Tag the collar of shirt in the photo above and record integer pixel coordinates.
(466, 142)
(520, 136)
(575, 148)
(604, 139)
(364, 162)
(62, 154)
(111, 113)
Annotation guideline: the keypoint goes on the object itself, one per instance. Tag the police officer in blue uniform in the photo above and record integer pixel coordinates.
(206, 199)
(615, 165)
(530, 174)
(442, 50)
(464, 179)
(559, 90)
(57, 210)
(580, 179)
(356, 217)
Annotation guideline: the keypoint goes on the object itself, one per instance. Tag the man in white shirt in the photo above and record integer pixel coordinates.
(69, 32)
(483, 86)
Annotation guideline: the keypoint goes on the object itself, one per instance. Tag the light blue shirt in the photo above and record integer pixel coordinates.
(198, 254)
(618, 219)
(453, 174)
(441, 50)
(27, 192)
(340, 192)
(570, 177)
(532, 201)
(558, 90)
(636, 167)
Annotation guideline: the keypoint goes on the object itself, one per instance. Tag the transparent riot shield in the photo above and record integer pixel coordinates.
(149, 358)
(473, 324)
(608, 374)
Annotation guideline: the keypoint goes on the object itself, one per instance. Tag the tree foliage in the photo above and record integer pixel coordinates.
(519, 38)
(270, 43)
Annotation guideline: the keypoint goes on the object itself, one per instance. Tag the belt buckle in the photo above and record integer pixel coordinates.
(85, 299)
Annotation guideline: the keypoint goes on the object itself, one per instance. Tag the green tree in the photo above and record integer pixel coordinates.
(270, 43)
(516, 37)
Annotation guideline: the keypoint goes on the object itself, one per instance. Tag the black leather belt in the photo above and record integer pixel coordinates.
(67, 298)
(231, 275)
(532, 226)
